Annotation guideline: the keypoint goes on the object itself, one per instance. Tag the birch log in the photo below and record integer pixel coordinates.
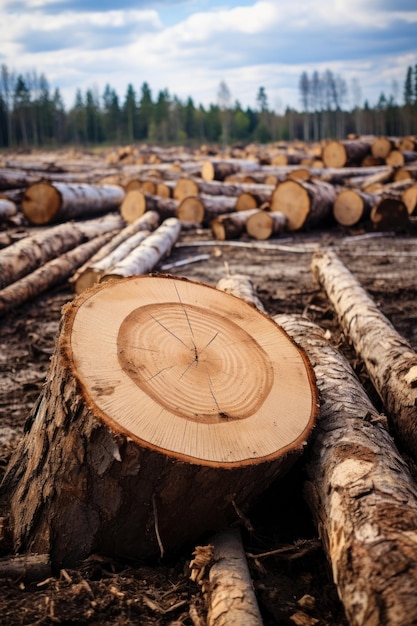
(44, 202)
(29, 253)
(91, 272)
(50, 274)
(148, 253)
(390, 360)
(360, 491)
(7, 209)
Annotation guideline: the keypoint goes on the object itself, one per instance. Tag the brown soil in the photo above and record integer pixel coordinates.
(293, 585)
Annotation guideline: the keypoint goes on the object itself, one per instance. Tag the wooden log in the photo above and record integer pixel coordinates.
(382, 146)
(229, 588)
(29, 253)
(44, 203)
(145, 255)
(409, 197)
(389, 358)
(137, 202)
(26, 567)
(390, 213)
(264, 224)
(230, 225)
(50, 274)
(360, 491)
(7, 209)
(398, 158)
(151, 421)
(352, 206)
(12, 179)
(204, 208)
(219, 170)
(241, 286)
(348, 152)
(305, 203)
(91, 272)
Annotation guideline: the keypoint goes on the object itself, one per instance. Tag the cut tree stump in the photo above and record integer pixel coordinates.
(146, 434)
(305, 203)
(44, 202)
(144, 255)
(390, 360)
(360, 491)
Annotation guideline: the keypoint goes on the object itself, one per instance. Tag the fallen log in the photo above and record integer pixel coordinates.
(305, 203)
(44, 202)
(204, 208)
(222, 571)
(91, 272)
(26, 567)
(7, 209)
(348, 152)
(388, 357)
(264, 224)
(219, 170)
(231, 225)
(352, 206)
(50, 274)
(10, 179)
(241, 286)
(29, 253)
(152, 414)
(360, 491)
(390, 213)
(409, 197)
(137, 202)
(146, 254)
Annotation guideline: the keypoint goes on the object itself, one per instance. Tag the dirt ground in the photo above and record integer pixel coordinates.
(293, 585)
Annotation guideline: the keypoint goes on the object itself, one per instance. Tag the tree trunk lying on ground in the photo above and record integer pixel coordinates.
(137, 202)
(409, 197)
(91, 272)
(28, 253)
(360, 491)
(257, 223)
(341, 153)
(222, 571)
(7, 209)
(204, 208)
(305, 203)
(45, 202)
(352, 206)
(390, 360)
(157, 438)
(389, 213)
(50, 274)
(144, 255)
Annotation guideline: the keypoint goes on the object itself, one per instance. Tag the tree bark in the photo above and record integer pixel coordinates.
(91, 272)
(389, 358)
(29, 253)
(229, 589)
(231, 225)
(305, 203)
(219, 170)
(264, 224)
(242, 287)
(137, 202)
(409, 197)
(348, 152)
(360, 491)
(144, 256)
(50, 274)
(44, 203)
(145, 435)
(7, 209)
(390, 213)
(352, 206)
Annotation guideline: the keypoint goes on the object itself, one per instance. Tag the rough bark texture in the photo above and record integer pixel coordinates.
(389, 213)
(49, 275)
(242, 287)
(231, 225)
(360, 491)
(91, 272)
(102, 468)
(7, 209)
(29, 253)
(44, 203)
(389, 358)
(305, 203)
(143, 257)
(341, 153)
(232, 600)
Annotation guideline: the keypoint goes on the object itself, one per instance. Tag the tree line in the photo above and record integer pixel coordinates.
(33, 115)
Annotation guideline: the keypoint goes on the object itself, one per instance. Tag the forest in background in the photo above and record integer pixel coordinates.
(33, 115)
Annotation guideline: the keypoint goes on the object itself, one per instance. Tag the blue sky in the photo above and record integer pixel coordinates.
(190, 46)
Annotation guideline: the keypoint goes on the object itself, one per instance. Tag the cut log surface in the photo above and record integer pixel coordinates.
(305, 203)
(137, 202)
(44, 203)
(264, 224)
(353, 206)
(157, 436)
(50, 274)
(341, 153)
(91, 272)
(389, 358)
(409, 197)
(360, 491)
(145, 255)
